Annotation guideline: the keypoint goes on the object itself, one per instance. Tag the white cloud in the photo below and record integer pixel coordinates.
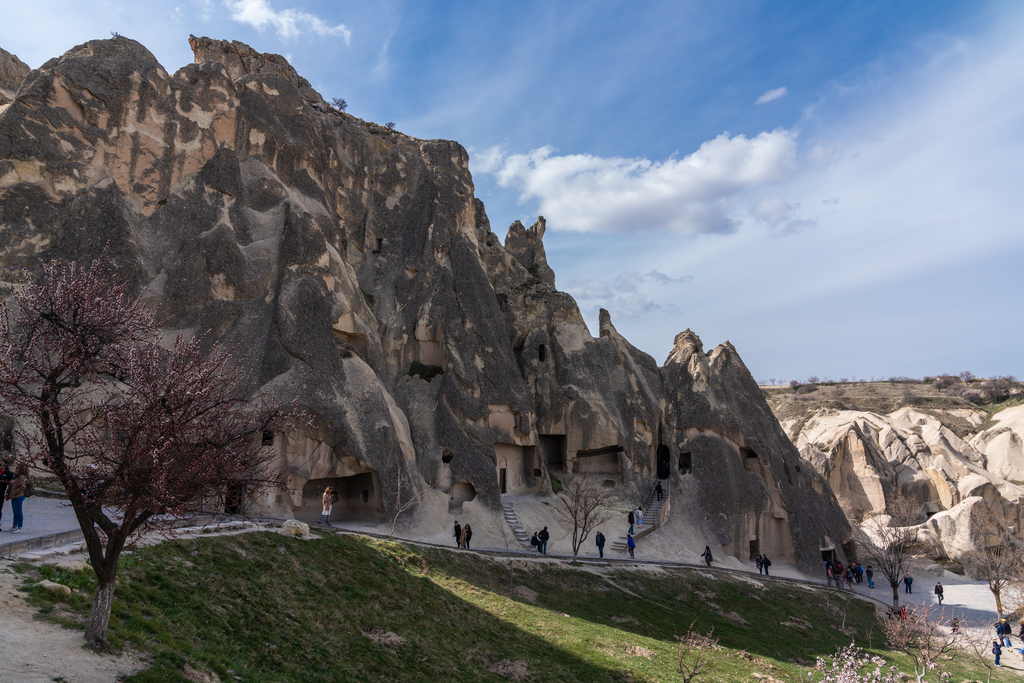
(771, 95)
(289, 23)
(692, 195)
(623, 297)
(779, 215)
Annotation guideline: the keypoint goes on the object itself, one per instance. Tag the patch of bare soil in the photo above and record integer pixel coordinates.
(624, 620)
(525, 593)
(382, 637)
(517, 670)
(638, 651)
(37, 651)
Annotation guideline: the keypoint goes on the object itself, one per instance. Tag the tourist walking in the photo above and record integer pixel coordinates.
(938, 591)
(16, 494)
(707, 555)
(659, 490)
(458, 534)
(543, 537)
(328, 499)
(870, 574)
(908, 581)
(760, 567)
(631, 518)
(996, 650)
(631, 544)
(639, 516)
(467, 534)
(599, 539)
(766, 563)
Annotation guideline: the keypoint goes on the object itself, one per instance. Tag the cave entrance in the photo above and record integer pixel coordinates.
(754, 549)
(518, 468)
(664, 462)
(359, 498)
(599, 461)
(685, 462)
(462, 492)
(552, 447)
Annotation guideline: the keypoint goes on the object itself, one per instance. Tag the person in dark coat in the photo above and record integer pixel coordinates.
(870, 573)
(535, 542)
(707, 555)
(458, 535)
(760, 567)
(996, 650)
(631, 518)
(939, 592)
(659, 490)
(766, 563)
(467, 534)
(908, 581)
(631, 544)
(543, 537)
(599, 539)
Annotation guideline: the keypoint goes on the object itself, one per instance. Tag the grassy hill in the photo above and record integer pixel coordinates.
(264, 607)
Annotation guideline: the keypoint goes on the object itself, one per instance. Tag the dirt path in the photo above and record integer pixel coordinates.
(35, 650)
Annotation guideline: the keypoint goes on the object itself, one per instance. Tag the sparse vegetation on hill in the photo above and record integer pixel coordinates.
(935, 396)
(262, 607)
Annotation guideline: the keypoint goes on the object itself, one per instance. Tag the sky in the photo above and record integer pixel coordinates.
(834, 187)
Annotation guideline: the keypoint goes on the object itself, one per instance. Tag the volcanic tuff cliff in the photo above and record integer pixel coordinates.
(361, 273)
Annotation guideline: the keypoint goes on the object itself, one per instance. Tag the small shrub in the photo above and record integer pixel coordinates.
(556, 486)
(390, 125)
(367, 296)
(339, 104)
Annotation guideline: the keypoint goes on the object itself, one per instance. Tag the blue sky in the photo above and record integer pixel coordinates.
(832, 186)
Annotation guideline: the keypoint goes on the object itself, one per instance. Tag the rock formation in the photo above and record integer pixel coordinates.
(869, 458)
(361, 274)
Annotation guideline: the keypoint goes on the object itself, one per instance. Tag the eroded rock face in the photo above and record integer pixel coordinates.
(12, 73)
(361, 274)
(869, 459)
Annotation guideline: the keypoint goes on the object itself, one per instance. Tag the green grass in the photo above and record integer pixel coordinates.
(264, 607)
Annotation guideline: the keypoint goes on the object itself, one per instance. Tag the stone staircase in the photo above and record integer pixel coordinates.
(510, 516)
(652, 510)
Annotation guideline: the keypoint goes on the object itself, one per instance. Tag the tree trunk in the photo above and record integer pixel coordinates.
(99, 616)
(999, 603)
(895, 594)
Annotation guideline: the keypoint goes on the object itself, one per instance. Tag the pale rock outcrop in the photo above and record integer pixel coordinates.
(361, 274)
(965, 527)
(869, 458)
(293, 527)
(1003, 444)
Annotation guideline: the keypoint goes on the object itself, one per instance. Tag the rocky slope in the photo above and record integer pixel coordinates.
(361, 273)
(964, 465)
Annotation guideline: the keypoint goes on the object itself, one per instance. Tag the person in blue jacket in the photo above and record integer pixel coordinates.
(631, 544)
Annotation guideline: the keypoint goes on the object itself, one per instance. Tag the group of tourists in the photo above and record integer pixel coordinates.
(540, 540)
(762, 564)
(1003, 631)
(836, 573)
(14, 486)
(464, 534)
(635, 517)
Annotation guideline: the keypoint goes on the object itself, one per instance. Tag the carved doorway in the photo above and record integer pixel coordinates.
(664, 462)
